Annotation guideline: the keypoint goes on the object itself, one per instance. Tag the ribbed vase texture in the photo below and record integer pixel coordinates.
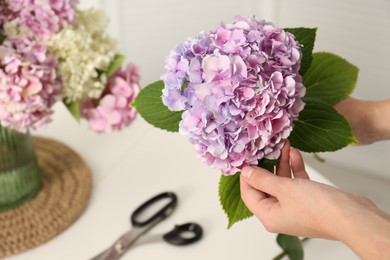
(19, 172)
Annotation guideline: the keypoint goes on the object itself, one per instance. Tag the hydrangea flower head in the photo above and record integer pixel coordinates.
(83, 49)
(29, 85)
(21, 18)
(240, 89)
(113, 111)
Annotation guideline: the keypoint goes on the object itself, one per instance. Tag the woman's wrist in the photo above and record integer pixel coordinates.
(371, 240)
(366, 230)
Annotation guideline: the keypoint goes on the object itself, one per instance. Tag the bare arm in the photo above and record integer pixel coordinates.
(370, 120)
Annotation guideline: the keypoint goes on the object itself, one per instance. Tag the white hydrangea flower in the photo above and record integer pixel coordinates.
(83, 50)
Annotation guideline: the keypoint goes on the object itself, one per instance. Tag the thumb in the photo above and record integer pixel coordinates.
(262, 180)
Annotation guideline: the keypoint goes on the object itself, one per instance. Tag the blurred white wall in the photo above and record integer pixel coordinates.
(358, 30)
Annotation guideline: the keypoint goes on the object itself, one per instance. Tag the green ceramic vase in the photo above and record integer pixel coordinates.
(19, 172)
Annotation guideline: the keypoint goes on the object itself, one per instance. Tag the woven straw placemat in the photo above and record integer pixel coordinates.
(66, 186)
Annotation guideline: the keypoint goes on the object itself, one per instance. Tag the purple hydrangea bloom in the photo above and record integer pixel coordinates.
(240, 89)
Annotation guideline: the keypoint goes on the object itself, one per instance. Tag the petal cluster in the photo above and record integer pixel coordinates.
(29, 85)
(40, 18)
(240, 90)
(83, 50)
(113, 111)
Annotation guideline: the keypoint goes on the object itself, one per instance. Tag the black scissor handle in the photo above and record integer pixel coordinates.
(161, 214)
(176, 237)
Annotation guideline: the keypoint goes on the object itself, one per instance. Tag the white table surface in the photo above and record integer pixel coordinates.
(137, 163)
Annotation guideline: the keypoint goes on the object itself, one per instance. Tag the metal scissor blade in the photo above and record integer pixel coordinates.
(107, 254)
(123, 244)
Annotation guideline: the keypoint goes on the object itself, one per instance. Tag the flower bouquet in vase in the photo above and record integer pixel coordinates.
(51, 52)
(240, 91)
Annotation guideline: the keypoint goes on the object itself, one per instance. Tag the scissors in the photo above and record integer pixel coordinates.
(177, 236)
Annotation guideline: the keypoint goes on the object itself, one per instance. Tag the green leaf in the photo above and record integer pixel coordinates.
(2, 38)
(149, 104)
(74, 109)
(292, 247)
(230, 199)
(320, 128)
(306, 37)
(115, 64)
(269, 165)
(185, 85)
(330, 78)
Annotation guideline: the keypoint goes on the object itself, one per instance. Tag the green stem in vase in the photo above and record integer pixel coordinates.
(19, 173)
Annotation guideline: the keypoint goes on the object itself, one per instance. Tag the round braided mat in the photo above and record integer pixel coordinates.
(66, 186)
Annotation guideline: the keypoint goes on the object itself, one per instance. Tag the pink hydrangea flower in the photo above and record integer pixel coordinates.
(42, 18)
(29, 85)
(113, 111)
(244, 92)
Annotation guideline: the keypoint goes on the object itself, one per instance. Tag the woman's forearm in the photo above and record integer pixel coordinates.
(381, 122)
(367, 232)
(367, 243)
(370, 120)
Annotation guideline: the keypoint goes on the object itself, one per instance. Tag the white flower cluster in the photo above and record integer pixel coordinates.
(83, 50)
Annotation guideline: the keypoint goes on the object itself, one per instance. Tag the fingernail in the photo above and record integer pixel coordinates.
(247, 171)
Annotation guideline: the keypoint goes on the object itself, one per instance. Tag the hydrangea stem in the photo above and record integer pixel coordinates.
(19, 173)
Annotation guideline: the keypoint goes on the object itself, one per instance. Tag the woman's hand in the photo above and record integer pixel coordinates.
(289, 202)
